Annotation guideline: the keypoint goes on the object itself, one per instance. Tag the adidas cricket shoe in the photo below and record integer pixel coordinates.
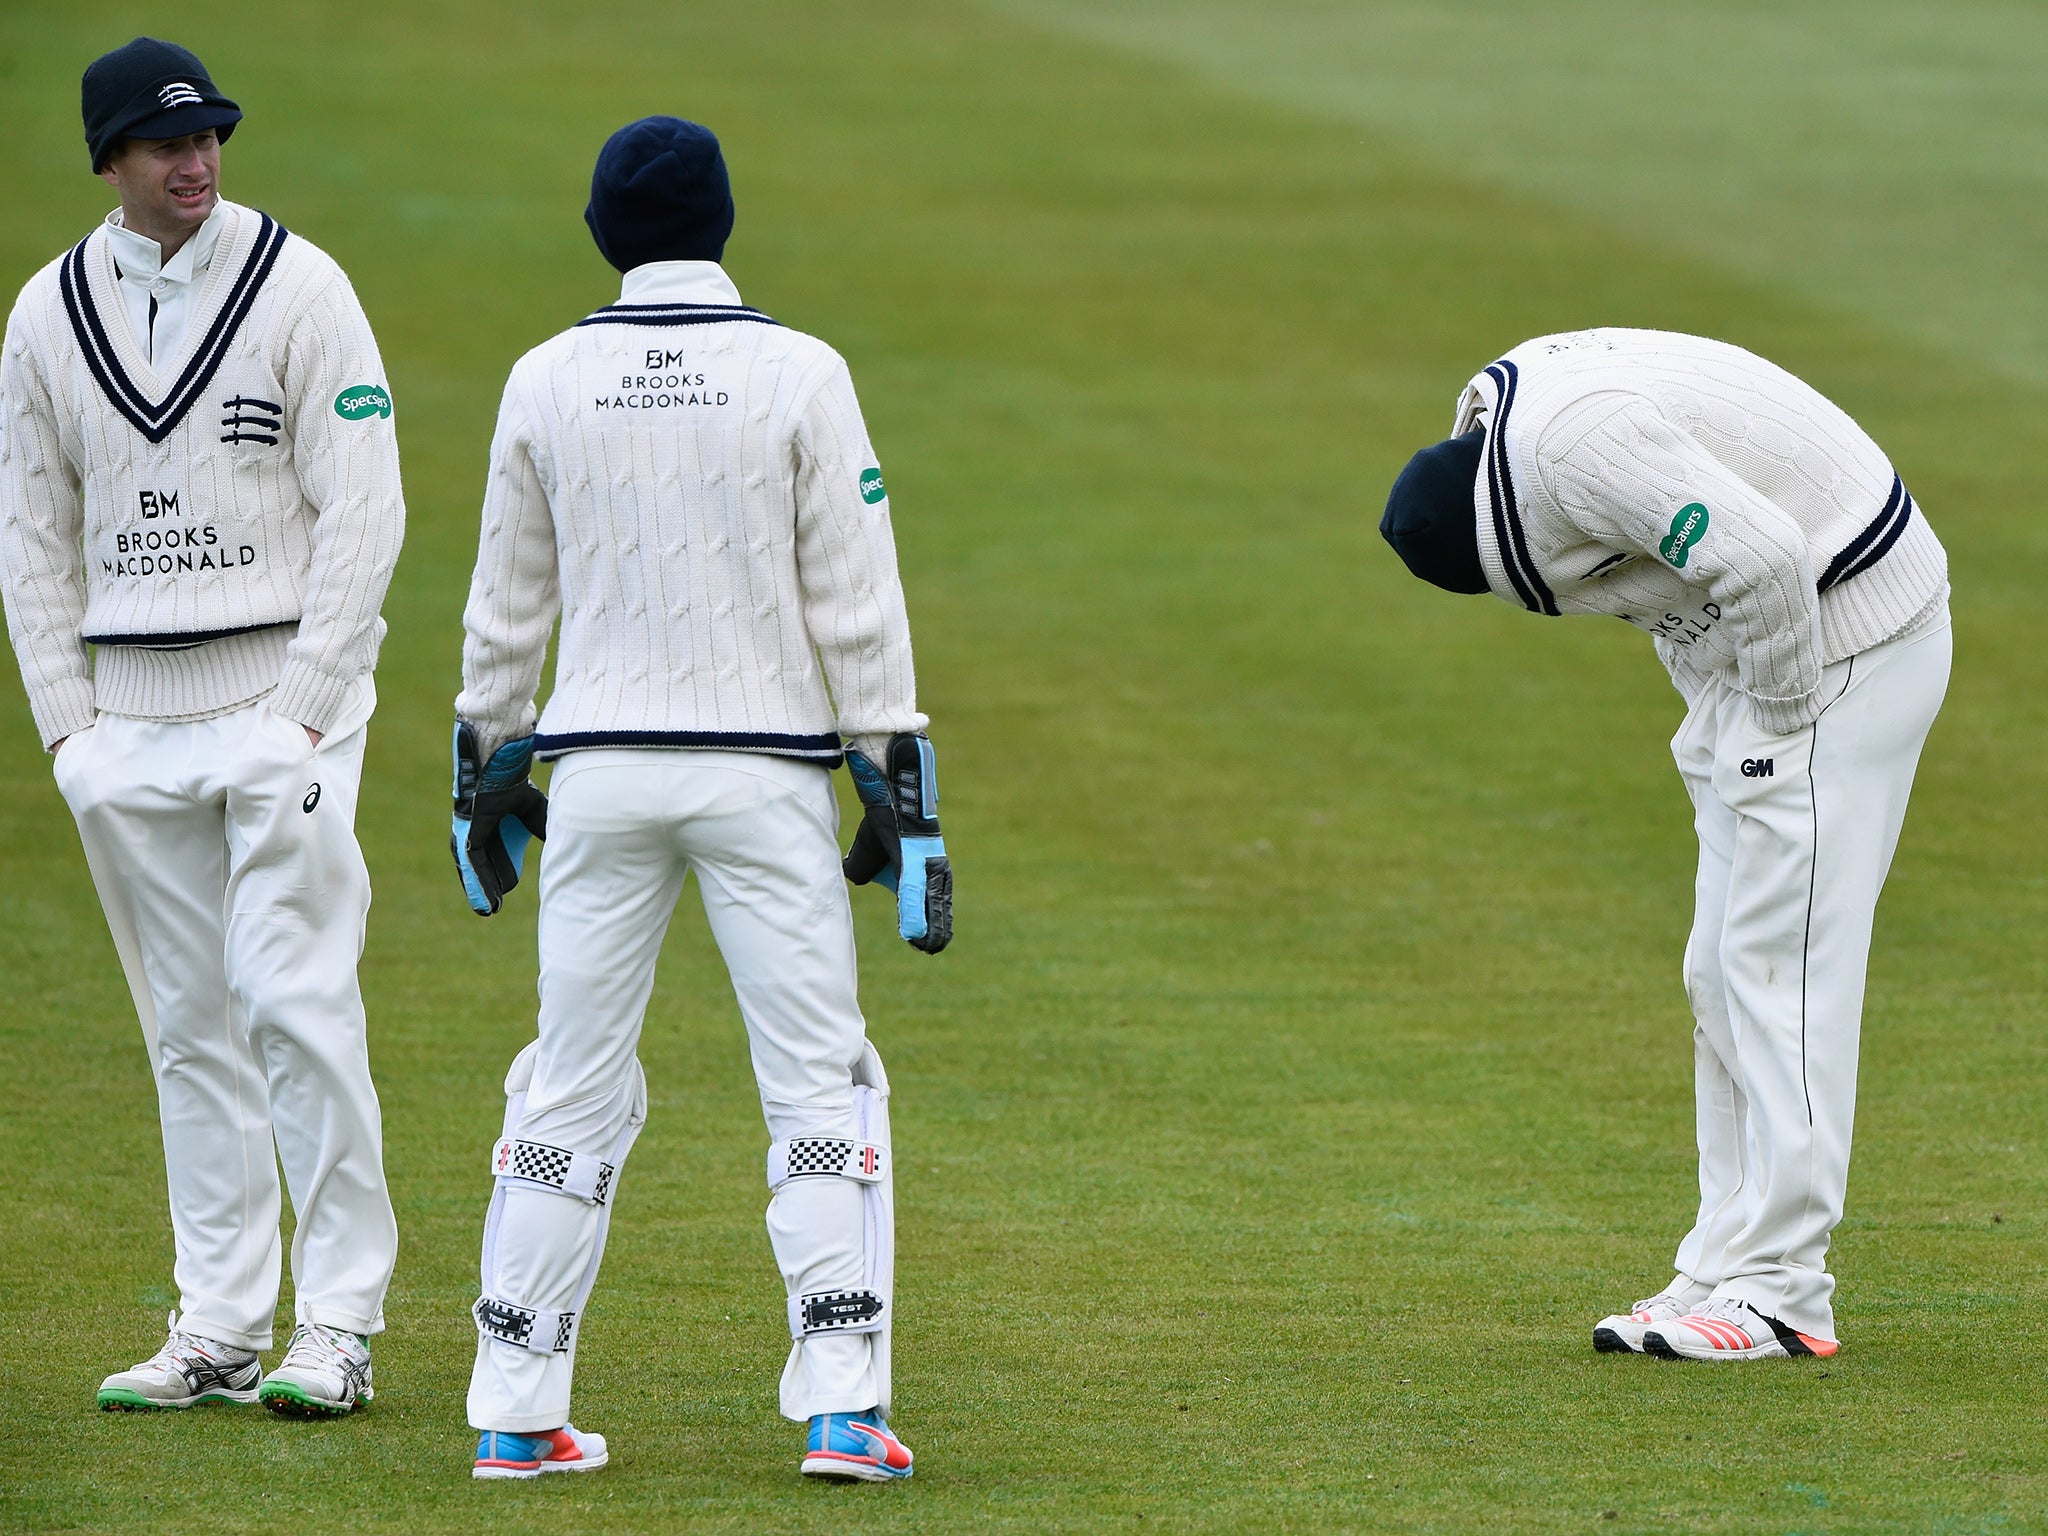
(1624, 1331)
(855, 1447)
(500, 1453)
(187, 1371)
(325, 1373)
(1722, 1328)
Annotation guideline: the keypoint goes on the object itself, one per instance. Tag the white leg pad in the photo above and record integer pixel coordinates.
(544, 1239)
(832, 1221)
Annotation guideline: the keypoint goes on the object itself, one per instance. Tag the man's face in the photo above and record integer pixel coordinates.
(168, 187)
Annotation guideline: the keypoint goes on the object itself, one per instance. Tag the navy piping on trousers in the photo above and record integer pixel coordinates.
(823, 749)
(158, 420)
(1500, 486)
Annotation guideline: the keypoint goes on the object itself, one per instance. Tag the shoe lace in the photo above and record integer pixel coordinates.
(181, 1347)
(1727, 1308)
(1662, 1298)
(312, 1345)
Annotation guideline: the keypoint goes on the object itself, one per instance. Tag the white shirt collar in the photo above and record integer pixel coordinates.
(141, 258)
(678, 282)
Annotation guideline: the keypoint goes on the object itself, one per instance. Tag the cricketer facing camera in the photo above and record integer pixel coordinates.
(199, 481)
(1800, 601)
(691, 487)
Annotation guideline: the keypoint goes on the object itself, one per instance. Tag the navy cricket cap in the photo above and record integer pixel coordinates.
(149, 89)
(1432, 519)
(660, 193)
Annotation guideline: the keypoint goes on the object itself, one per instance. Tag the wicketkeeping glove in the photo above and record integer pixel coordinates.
(898, 843)
(498, 811)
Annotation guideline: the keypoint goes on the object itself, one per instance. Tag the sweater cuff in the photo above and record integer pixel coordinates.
(875, 748)
(1782, 717)
(310, 697)
(63, 709)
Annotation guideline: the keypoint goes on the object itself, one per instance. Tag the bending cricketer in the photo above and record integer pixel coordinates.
(1800, 601)
(689, 485)
(199, 481)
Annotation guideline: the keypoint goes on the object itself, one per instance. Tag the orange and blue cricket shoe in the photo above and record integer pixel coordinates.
(500, 1453)
(855, 1447)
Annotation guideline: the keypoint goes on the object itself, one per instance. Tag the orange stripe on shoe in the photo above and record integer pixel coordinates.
(1722, 1335)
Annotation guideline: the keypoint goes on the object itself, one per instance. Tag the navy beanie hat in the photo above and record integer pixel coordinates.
(660, 193)
(1431, 519)
(149, 89)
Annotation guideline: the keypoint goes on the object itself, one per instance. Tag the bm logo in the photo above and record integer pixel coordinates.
(1759, 768)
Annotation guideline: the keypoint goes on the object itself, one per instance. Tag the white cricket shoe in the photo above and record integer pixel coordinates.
(1722, 1328)
(1625, 1331)
(187, 1371)
(325, 1373)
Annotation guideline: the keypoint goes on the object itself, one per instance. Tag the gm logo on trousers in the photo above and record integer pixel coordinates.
(1759, 767)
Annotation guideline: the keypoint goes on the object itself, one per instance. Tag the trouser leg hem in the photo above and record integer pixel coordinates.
(241, 1338)
(826, 1403)
(319, 1314)
(520, 1423)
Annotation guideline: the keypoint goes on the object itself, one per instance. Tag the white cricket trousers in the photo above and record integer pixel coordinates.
(224, 853)
(1796, 835)
(625, 828)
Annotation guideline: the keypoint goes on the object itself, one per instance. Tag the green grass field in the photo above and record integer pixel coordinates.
(1311, 1068)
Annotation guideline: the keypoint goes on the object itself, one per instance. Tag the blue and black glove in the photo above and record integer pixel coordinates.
(898, 842)
(498, 811)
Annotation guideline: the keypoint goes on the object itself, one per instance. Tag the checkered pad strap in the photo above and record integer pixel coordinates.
(815, 1157)
(545, 1333)
(578, 1174)
(835, 1312)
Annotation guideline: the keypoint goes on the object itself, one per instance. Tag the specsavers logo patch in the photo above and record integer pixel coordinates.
(359, 402)
(1688, 527)
(871, 486)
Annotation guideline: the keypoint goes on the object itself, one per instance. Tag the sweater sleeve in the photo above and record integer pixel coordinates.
(846, 560)
(345, 448)
(42, 565)
(1626, 476)
(515, 592)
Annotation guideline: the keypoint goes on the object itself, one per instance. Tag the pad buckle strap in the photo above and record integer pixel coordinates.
(545, 1333)
(836, 1312)
(582, 1175)
(840, 1157)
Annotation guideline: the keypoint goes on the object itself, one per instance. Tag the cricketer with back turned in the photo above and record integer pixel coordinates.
(690, 487)
(1800, 601)
(199, 482)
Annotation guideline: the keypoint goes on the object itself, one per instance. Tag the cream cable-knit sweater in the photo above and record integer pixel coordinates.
(691, 486)
(218, 529)
(1704, 495)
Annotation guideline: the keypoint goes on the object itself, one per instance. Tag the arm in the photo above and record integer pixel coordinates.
(513, 599)
(42, 565)
(1628, 477)
(846, 562)
(348, 468)
(853, 609)
(515, 592)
